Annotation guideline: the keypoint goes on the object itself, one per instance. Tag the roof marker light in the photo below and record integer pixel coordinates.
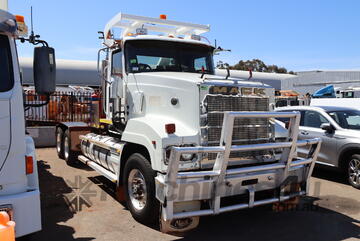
(163, 16)
(20, 19)
(21, 26)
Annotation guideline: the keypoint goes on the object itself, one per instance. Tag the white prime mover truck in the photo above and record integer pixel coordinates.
(177, 140)
(19, 187)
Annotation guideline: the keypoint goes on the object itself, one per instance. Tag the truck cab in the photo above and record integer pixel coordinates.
(19, 187)
(177, 139)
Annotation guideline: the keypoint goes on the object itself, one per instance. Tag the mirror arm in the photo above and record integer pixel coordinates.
(34, 41)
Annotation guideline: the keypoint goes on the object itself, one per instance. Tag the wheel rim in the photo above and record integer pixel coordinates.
(66, 147)
(58, 142)
(354, 171)
(137, 189)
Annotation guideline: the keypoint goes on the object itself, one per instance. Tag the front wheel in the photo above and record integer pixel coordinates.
(354, 171)
(139, 184)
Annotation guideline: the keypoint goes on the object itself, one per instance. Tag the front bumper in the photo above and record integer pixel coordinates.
(176, 187)
(25, 211)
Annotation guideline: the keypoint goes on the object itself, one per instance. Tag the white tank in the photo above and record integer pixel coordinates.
(68, 72)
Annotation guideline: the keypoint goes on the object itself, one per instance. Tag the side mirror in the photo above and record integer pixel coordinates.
(327, 127)
(44, 70)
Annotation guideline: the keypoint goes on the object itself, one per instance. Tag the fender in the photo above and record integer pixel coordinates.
(344, 149)
(150, 132)
(76, 129)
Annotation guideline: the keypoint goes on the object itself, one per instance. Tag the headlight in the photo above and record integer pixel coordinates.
(186, 157)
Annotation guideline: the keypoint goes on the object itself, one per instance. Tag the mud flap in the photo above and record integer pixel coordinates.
(288, 205)
(290, 185)
(120, 193)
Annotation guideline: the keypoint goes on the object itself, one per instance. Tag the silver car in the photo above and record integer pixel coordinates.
(339, 129)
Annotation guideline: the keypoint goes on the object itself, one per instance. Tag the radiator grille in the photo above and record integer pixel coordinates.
(236, 103)
(246, 130)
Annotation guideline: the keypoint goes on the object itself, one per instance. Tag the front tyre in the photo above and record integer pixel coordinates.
(139, 184)
(354, 171)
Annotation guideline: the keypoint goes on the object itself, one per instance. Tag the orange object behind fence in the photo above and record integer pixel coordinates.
(7, 227)
(53, 113)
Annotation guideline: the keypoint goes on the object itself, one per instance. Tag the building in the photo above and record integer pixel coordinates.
(311, 81)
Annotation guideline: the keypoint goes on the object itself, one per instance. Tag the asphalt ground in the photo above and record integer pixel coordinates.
(330, 213)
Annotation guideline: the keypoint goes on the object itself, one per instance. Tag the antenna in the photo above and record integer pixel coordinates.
(31, 17)
(33, 39)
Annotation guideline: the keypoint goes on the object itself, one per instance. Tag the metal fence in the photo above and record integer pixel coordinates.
(62, 106)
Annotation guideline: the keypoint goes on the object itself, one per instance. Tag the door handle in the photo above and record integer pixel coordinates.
(304, 133)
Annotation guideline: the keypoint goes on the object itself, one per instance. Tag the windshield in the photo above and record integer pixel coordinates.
(153, 56)
(347, 119)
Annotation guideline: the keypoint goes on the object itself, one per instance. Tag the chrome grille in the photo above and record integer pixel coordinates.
(236, 103)
(246, 130)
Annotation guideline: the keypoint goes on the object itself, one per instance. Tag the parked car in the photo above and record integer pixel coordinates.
(339, 129)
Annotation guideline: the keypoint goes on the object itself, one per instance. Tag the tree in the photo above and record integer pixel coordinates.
(256, 65)
(221, 65)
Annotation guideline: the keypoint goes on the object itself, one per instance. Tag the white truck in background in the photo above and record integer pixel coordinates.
(19, 186)
(177, 140)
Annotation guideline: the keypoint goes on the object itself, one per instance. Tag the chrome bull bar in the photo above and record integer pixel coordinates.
(166, 183)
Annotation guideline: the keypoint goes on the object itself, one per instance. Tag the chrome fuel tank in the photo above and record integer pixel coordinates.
(104, 150)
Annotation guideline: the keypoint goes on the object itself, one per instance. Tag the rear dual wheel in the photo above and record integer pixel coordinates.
(63, 146)
(60, 142)
(70, 156)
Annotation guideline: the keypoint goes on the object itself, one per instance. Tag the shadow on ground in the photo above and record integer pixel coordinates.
(330, 174)
(54, 208)
(308, 222)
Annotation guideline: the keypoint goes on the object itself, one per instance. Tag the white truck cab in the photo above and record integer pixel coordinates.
(19, 187)
(179, 140)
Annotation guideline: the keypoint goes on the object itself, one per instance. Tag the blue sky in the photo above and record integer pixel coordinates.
(299, 35)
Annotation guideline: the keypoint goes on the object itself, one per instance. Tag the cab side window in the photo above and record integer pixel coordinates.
(6, 68)
(116, 68)
(313, 119)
